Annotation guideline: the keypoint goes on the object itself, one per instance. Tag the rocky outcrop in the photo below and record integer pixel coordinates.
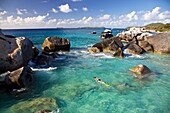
(93, 50)
(15, 52)
(112, 45)
(106, 34)
(134, 49)
(17, 79)
(145, 46)
(141, 71)
(45, 58)
(52, 44)
(160, 43)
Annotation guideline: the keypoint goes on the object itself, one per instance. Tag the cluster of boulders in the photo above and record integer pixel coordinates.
(135, 42)
(15, 54)
(138, 42)
(111, 45)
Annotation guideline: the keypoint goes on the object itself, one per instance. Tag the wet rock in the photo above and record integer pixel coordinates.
(34, 105)
(45, 58)
(106, 34)
(19, 78)
(141, 71)
(145, 46)
(52, 44)
(112, 45)
(160, 43)
(15, 52)
(94, 32)
(93, 50)
(134, 49)
(36, 53)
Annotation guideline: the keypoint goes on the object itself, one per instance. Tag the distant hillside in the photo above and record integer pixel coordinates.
(158, 27)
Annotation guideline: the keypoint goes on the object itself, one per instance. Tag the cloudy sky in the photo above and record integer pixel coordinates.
(82, 13)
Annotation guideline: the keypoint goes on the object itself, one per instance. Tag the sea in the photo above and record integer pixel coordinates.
(67, 84)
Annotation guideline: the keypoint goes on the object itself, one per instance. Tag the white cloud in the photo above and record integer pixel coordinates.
(28, 22)
(129, 17)
(54, 10)
(75, 9)
(65, 8)
(21, 11)
(150, 15)
(76, 0)
(164, 15)
(3, 13)
(84, 9)
(105, 17)
(35, 12)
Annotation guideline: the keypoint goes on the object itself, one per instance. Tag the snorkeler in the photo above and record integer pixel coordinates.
(100, 81)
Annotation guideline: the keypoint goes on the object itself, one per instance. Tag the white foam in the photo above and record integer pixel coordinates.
(44, 69)
(103, 55)
(127, 54)
(60, 58)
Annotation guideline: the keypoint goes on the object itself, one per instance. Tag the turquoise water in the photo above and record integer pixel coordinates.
(73, 87)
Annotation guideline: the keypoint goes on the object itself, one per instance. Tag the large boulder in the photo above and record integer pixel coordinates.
(134, 49)
(160, 43)
(19, 78)
(52, 44)
(141, 71)
(14, 52)
(45, 58)
(112, 45)
(145, 46)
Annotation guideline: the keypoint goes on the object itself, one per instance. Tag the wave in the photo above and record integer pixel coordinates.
(60, 58)
(127, 54)
(103, 55)
(44, 69)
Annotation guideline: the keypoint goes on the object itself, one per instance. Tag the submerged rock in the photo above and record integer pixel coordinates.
(160, 43)
(15, 52)
(142, 71)
(31, 106)
(52, 44)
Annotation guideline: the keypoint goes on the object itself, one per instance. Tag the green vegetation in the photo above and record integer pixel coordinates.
(158, 27)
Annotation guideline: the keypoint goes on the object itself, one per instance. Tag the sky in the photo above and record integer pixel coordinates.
(16, 14)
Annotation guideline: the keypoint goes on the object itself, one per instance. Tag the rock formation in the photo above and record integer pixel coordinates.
(160, 43)
(14, 57)
(15, 52)
(111, 45)
(52, 44)
(141, 71)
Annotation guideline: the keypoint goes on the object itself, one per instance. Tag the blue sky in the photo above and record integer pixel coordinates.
(82, 13)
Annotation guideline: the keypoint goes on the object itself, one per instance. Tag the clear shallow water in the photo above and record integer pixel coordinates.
(71, 84)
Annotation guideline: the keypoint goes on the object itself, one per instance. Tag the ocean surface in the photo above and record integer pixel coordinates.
(69, 79)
